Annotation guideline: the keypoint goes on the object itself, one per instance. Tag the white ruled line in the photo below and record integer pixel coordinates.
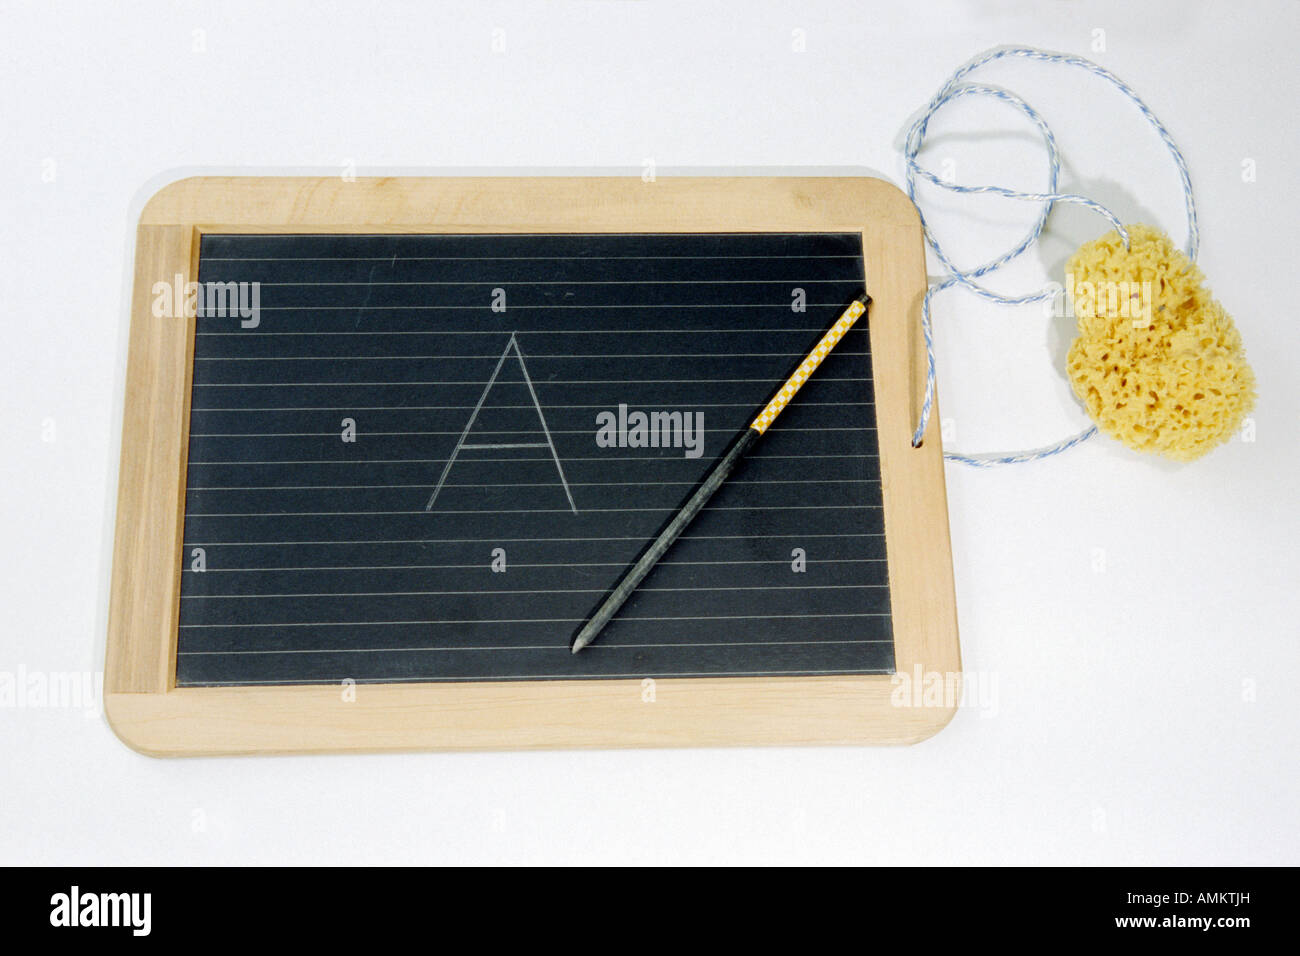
(685, 537)
(518, 258)
(494, 447)
(540, 620)
(529, 647)
(486, 307)
(539, 484)
(479, 592)
(426, 461)
(733, 330)
(548, 358)
(504, 283)
(549, 382)
(514, 511)
(464, 408)
(443, 679)
(511, 431)
(479, 566)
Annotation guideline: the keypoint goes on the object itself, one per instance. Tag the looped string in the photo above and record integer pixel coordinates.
(967, 278)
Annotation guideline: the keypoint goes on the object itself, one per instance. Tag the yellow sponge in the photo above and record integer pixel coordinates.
(1158, 363)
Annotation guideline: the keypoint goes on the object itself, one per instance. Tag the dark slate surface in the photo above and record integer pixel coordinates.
(322, 562)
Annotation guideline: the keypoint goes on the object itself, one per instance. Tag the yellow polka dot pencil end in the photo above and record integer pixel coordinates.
(781, 399)
(716, 477)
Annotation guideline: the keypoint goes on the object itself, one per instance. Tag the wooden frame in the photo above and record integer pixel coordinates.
(152, 715)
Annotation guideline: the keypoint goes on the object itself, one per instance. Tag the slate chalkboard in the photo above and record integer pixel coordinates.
(398, 472)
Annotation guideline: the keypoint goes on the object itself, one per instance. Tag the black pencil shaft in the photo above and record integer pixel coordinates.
(650, 557)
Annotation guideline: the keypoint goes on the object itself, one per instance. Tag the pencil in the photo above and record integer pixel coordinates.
(717, 477)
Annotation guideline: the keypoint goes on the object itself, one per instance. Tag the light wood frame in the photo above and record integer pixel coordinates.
(152, 715)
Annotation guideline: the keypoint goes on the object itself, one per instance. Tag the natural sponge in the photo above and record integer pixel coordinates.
(1158, 362)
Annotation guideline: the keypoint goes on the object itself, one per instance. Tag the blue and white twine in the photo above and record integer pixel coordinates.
(951, 90)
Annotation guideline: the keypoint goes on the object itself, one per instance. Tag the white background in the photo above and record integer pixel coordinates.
(1131, 624)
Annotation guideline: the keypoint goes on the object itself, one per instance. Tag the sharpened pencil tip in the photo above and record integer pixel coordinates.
(578, 645)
